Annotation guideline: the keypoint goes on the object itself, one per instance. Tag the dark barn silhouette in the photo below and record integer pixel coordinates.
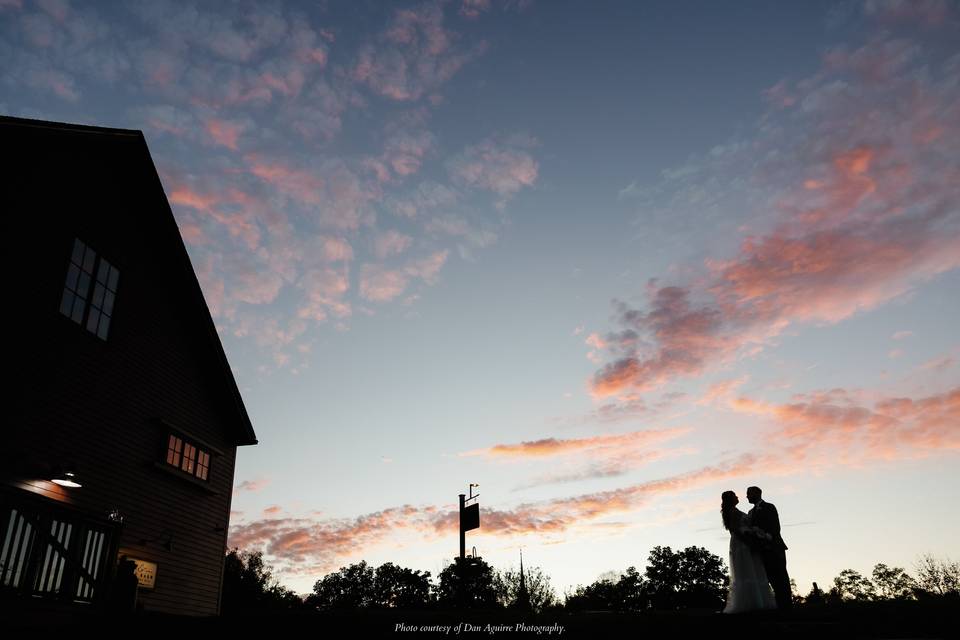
(117, 381)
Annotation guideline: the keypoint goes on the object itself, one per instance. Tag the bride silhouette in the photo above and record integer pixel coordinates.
(749, 588)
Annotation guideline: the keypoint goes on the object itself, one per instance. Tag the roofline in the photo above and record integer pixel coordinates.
(244, 431)
(210, 326)
(69, 126)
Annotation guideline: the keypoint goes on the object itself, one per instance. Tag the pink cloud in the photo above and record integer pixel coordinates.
(473, 8)
(549, 447)
(391, 243)
(864, 219)
(379, 284)
(252, 485)
(324, 291)
(504, 169)
(412, 57)
(225, 132)
(722, 390)
(300, 184)
(838, 427)
(232, 208)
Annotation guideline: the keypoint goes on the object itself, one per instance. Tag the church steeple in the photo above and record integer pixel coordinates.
(523, 596)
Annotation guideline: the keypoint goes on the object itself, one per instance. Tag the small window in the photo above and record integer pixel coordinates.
(104, 294)
(88, 299)
(188, 457)
(73, 303)
(203, 465)
(174, 447)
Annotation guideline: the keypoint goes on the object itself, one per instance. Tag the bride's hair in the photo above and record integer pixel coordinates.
(728, 503)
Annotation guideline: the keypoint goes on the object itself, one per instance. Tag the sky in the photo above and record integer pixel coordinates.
(606, 260)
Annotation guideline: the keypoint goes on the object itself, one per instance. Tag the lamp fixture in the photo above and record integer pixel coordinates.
(67, 479)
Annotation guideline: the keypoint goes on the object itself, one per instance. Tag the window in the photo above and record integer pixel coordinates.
(188, 457)
(90, 291)
(174, 447)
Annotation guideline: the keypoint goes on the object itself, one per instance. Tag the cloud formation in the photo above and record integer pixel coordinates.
(839, 425)
(244, 109)
(865, 211)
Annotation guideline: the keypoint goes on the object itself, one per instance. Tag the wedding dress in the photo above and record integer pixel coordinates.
(749, 588)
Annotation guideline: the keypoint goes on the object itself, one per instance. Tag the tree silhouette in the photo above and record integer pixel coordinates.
(850, 585)
(249, 586)
(360, 586)
(400, 587)
(938, 577)
(467, 583)
(507, 586)
(624, 592)
(349, 588)
(693, 577)
(893, 583)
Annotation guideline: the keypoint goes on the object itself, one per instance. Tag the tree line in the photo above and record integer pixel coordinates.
(691, 578)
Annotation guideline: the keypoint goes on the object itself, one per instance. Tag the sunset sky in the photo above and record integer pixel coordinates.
(605, 259)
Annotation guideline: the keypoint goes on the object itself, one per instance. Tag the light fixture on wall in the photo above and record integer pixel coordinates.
(67, 479)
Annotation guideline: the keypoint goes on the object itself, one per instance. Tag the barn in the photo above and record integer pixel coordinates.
(124, 416)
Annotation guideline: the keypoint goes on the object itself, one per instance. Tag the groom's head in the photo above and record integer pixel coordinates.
(753, 495)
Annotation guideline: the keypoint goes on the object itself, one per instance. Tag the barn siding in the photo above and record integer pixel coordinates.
(81, 401)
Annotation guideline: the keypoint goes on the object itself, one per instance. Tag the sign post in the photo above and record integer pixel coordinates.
(469, 518)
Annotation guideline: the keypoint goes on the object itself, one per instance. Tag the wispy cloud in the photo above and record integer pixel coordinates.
(862, 217)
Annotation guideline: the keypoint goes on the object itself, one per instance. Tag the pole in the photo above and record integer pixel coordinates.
(463, 535)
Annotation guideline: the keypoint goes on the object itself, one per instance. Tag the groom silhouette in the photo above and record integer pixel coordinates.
(764, 515)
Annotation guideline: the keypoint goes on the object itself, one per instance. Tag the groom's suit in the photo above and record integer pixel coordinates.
(764, 515)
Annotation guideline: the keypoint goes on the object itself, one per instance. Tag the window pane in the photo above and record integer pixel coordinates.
(78, 248)
(92, 320)
(203, 464)
(98, 295)
(173, 450)
(73, 274)
(102, 271)
(108, 303)
(88, 259)
(84, 285)
(66, 303)
(78, 306)
(114, 276)
(104, 327)
(189, 458)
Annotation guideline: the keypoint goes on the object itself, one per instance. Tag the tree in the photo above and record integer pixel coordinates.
(850, 585)
(938, 577)
(617, 592)
(360, 586)
(507, 586)
(349, 588)
(693, 577)
(249, 586)
(467, 583)
(892, 583)
(400, 587)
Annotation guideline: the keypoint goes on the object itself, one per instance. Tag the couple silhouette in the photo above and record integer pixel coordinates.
(758, 562)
